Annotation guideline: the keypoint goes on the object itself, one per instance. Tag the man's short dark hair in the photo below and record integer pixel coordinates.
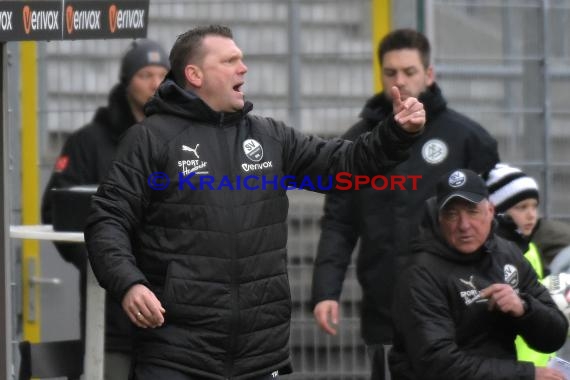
(187, 48)
(405, 39)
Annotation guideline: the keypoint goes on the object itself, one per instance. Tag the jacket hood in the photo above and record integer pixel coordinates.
(174, 100)
(431, 240)
(117, 116)
(378, 106)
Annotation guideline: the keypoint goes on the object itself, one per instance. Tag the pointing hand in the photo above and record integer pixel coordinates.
(409, 114)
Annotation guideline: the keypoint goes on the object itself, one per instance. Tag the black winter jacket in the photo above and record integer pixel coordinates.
(215, 257)
(85, 160)
(444, 330)
(385, 221)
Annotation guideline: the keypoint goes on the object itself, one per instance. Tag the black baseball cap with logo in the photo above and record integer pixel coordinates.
(460, 183)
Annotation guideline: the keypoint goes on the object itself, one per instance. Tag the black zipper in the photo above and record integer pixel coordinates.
(234, 322)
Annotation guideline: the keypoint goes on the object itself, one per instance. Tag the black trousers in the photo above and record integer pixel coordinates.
(154, 372)
(378, 355)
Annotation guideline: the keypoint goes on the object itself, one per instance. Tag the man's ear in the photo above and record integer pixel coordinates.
(491, 207)
(430, 75)
(193, 75)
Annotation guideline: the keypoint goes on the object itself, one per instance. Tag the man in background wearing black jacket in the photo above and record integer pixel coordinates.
(385, 221)
(467, 293)
(85, 160)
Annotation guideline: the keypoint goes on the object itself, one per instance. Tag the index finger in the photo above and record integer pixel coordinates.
(396, 98)
(156, 310)
(489, 290)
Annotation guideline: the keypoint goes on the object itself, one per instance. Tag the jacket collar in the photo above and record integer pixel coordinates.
(117, 116)
(173, 99)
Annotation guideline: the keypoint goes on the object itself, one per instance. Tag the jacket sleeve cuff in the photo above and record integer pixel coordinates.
(128, 285)
(395, 140)
(400, 132)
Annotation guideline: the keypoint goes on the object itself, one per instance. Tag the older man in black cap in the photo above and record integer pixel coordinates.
(85, 159)
(467, 293)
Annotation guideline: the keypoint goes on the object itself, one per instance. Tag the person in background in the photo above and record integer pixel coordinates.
(85, 160)
(202, 271)
(467, 293)
(385, 221)
(515, 196)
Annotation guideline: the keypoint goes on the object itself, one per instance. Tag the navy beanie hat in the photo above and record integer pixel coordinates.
(142, 53)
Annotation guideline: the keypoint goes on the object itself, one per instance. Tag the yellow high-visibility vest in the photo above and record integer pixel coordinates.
(524, 352)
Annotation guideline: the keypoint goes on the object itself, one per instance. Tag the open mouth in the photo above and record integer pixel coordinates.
(237, 87)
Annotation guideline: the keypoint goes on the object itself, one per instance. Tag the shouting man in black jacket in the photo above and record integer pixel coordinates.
(385, 221)
(85, 160)
(189, 230)
(467, 293)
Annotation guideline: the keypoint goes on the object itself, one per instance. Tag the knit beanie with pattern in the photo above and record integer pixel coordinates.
(508, 186)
